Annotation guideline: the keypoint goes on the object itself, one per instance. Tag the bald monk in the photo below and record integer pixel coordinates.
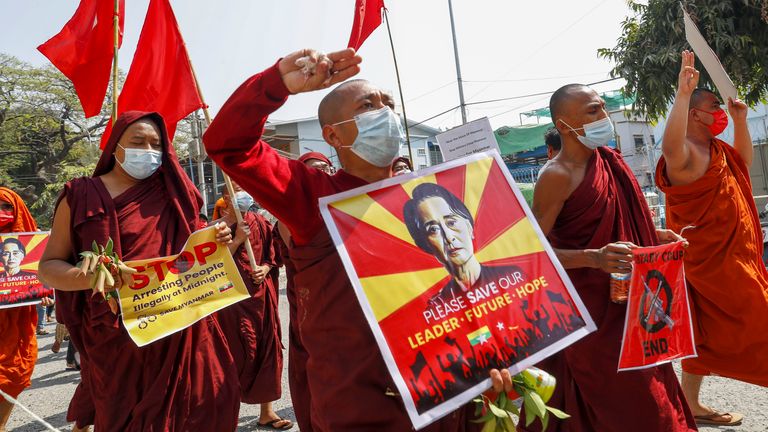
(252, 326)
(297, 354)
(708, 189)
(140, 197)
(18, 344)
(590, 206)
(349, 386)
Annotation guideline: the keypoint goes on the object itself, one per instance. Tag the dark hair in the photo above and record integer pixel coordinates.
(558, 97)
(204, 217)
(698, 94)
(552, 139)
(17, 242)
(404, 160)
(421, 193)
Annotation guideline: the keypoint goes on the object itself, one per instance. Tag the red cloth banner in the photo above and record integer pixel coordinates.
(19, 256)
(455, 278)
(160, 78)
(367, 19)
(84, 48)
(658, 326)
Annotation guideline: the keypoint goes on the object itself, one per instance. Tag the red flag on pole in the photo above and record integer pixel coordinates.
(367, 18)
(160, 78)
(83, 51)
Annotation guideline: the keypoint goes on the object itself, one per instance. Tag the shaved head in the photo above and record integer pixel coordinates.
(329, 110)
(702, 98)
(560, 96)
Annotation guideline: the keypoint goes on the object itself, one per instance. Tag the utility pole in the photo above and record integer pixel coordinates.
(458, 66)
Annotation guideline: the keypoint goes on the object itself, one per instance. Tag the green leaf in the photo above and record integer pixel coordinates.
(95, 247)
(110, 245)
(557, 413)
(545, 421)
(498, 412)
(541, 407)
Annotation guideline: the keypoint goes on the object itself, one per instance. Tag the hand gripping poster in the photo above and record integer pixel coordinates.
(455, 278)
(19, 285)
(658, 326)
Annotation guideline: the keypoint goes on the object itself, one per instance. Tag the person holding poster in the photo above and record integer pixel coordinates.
(141, 199)
(18, 344)
(252, 326)
(709, 194)
(297, 354)
(348, 382)
(590, 206)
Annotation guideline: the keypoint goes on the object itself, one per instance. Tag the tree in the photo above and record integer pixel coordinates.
(647, 54)
(44, 136)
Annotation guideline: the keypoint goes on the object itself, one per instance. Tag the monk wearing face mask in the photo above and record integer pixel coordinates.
(140, 197)
(588, 203)
(349, 386)
(708, 190)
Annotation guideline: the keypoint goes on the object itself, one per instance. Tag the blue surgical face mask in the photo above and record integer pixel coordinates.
(596, 134)
(140, 163)
(379, 135)
(244, 201)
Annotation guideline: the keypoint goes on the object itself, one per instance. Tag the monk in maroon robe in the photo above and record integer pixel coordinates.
(590, 205)
(141, 198)
(252, 326)
(297, 354)
(349, 384)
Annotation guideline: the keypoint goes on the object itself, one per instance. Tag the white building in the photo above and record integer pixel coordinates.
(305, 135)
(636, 139)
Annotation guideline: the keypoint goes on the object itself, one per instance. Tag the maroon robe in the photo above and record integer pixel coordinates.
(181, 382)
(349, 384)
(252, 326)
(297, 354)
(606, 207)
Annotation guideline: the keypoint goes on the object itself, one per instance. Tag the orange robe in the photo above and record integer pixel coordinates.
(727, 279)
(18, 343)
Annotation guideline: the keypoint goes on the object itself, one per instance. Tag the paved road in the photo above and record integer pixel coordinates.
(52, 388)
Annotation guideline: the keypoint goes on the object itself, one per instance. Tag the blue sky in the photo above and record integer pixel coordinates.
(507, 48)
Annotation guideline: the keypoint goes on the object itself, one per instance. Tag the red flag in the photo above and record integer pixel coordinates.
(160, 78)
(84, 48)
(367, 18)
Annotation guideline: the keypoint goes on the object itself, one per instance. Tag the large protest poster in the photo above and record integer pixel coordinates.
(455, 278)
(171, 293)
(19, 285)
(658, 327)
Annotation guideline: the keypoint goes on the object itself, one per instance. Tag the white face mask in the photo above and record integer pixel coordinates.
(596, 134)
(140, 163)
(244, 201)
(379, 135)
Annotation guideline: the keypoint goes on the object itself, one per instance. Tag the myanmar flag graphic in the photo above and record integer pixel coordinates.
(479, 336)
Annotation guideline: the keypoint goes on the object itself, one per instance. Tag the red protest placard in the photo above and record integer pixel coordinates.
(19, 256)
(455, 278)
(658, 325)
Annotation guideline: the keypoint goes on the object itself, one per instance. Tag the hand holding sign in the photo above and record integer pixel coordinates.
(708, 58)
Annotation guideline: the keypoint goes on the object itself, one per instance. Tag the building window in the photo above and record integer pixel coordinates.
(435, 157)
(653, 141)
(422, 166)
(639, 143)
(421, 152)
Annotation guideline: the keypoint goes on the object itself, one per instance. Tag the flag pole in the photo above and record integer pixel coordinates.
(400, 88)
(227, 180)
(116, 36)
(458, 67)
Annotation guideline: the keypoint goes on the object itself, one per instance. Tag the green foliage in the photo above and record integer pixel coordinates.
(647, 54)
(45, 139)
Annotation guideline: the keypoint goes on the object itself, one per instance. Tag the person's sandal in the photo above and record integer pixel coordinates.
(719, 419)
(56, 347)
(271, 424)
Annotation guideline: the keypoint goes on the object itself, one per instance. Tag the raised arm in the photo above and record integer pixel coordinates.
(552, 189)
(674, 146)
(234, 142)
